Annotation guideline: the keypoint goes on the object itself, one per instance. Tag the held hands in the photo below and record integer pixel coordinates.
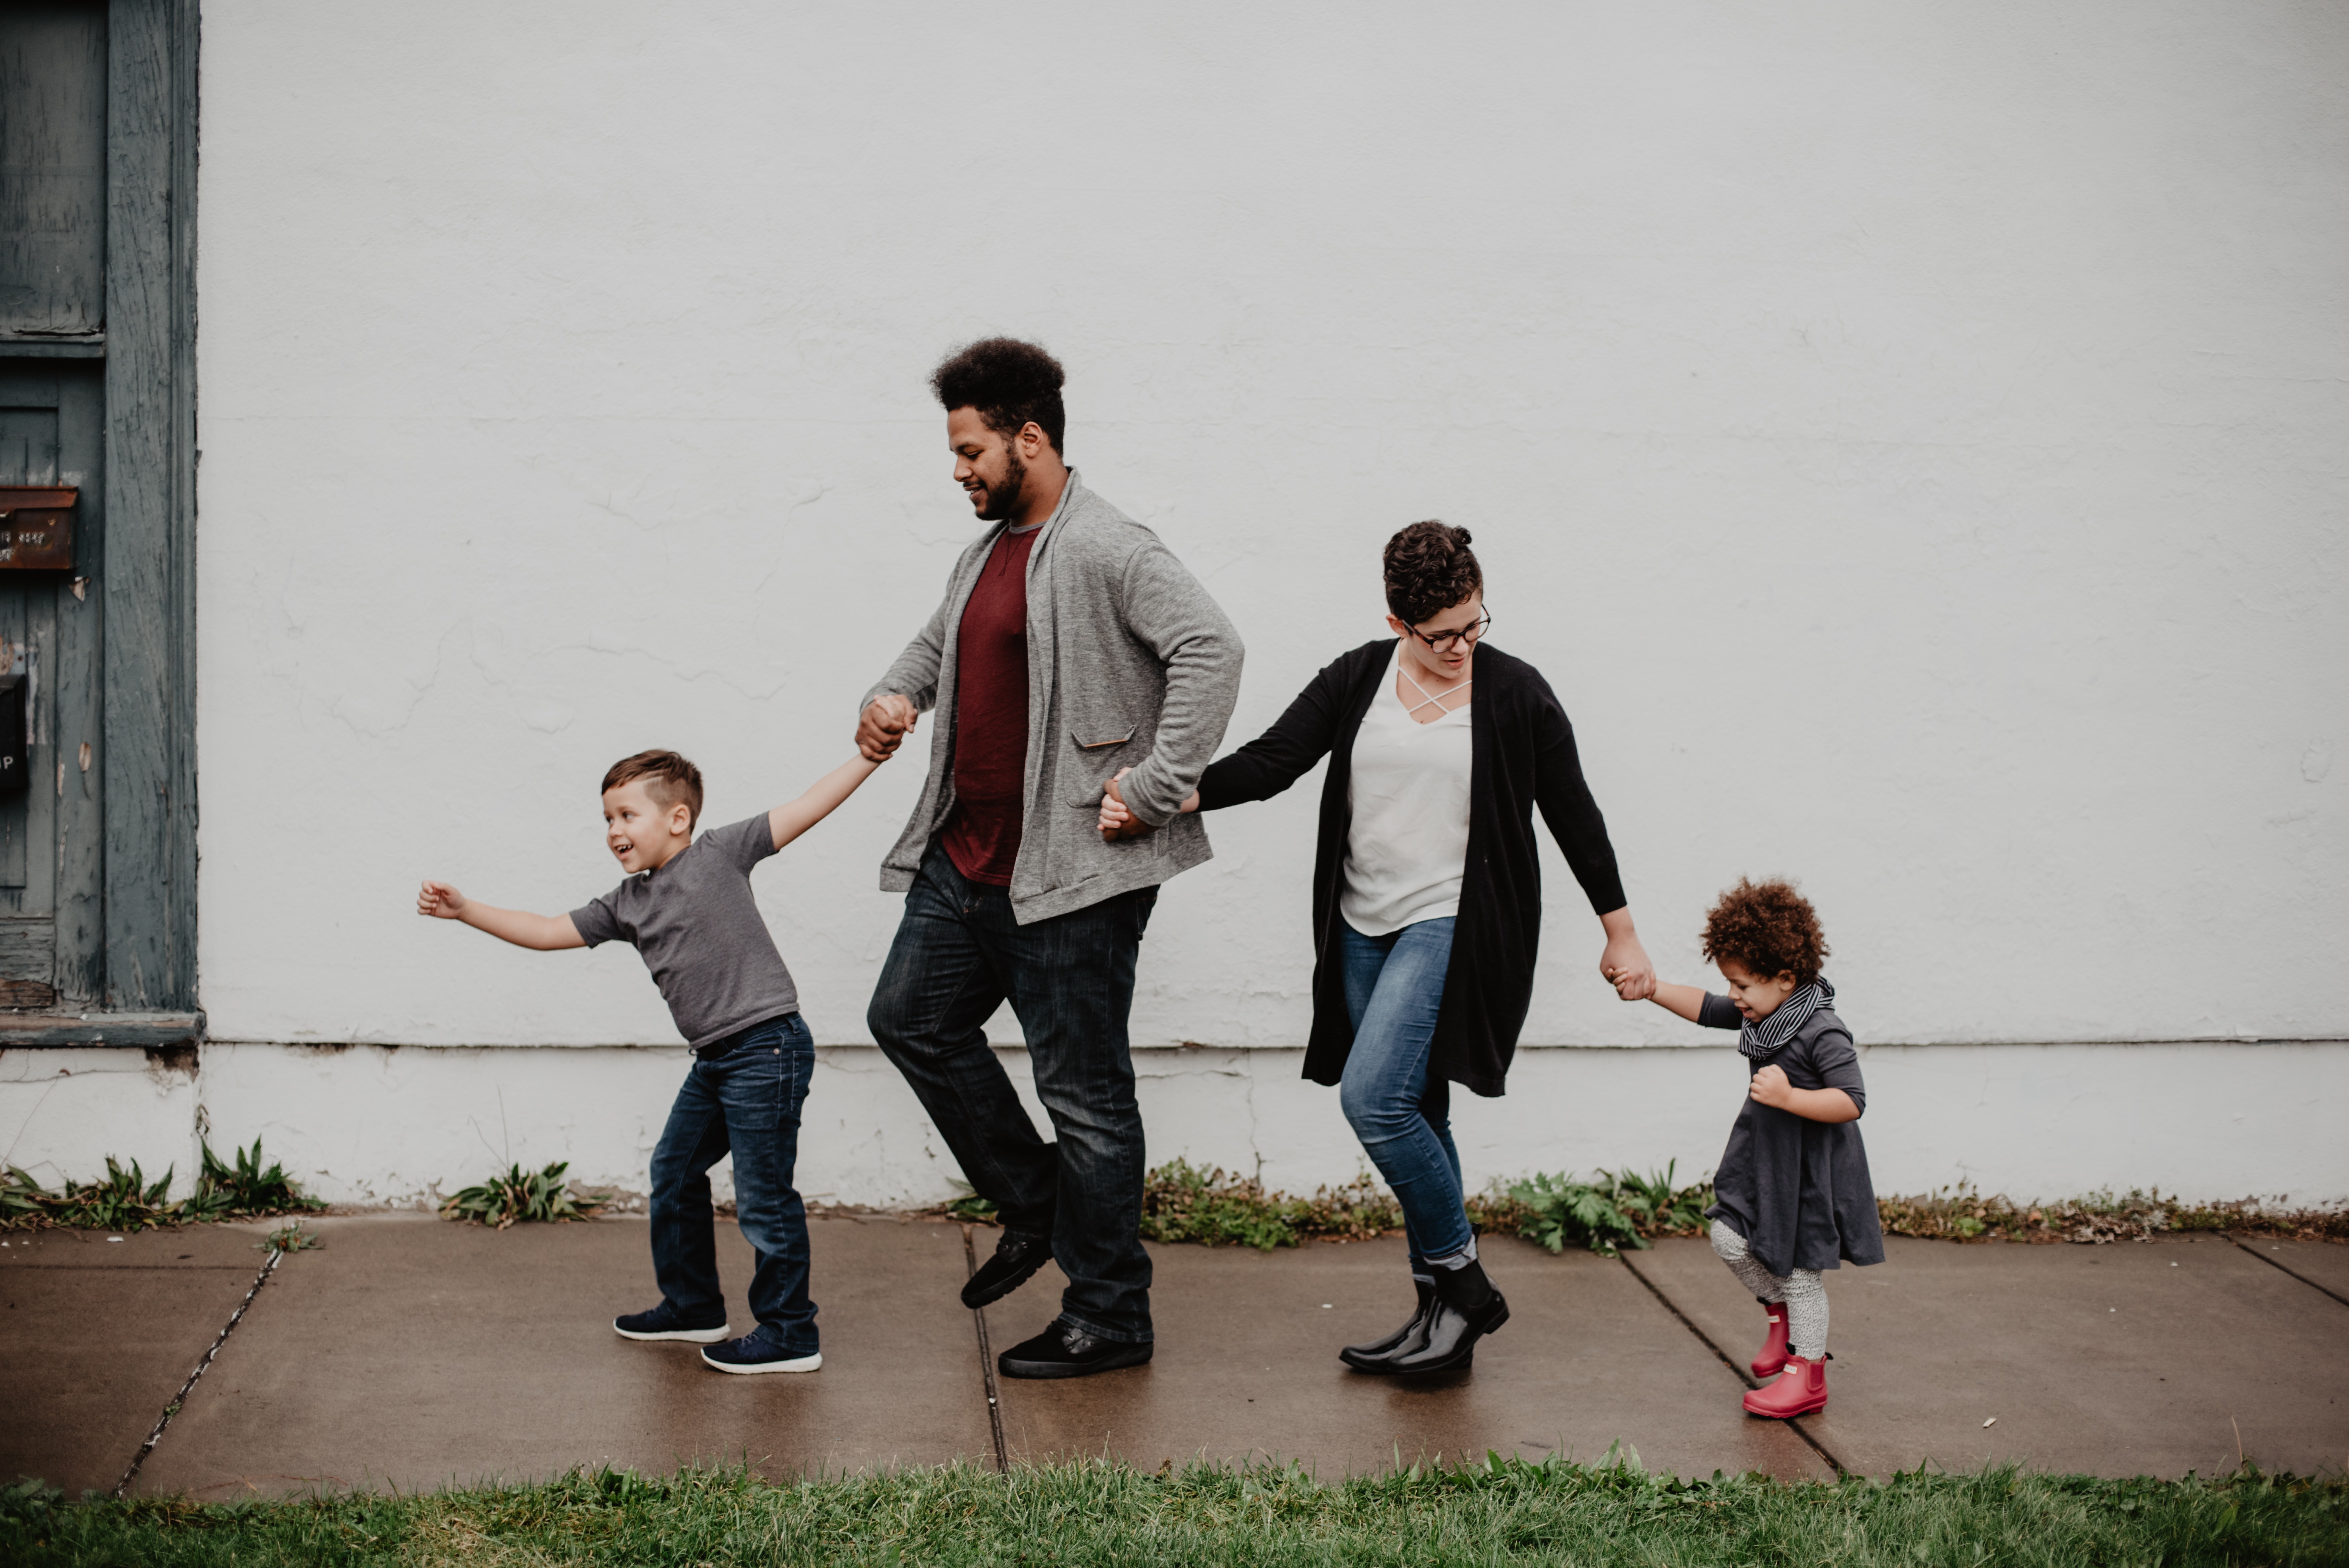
(1769, 1087)
(883, 726)
(1117, 819)
(440, 901)
(1624, 965)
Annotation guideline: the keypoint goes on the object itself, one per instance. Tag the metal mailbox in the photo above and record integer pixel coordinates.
(36, 531)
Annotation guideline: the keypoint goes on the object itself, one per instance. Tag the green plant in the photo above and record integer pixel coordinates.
(970, 1206)
(290, 1238)
(243, 1188)
(520, 1196)
(1614, 1210)
(124, 1200)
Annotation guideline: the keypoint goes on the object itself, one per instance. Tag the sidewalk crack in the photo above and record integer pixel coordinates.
(2280, 1264)
(181, 1398)
(1742, 1375)
(986, 1358)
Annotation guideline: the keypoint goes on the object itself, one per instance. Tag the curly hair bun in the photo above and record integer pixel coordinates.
(1429, 569)
(1769, 928)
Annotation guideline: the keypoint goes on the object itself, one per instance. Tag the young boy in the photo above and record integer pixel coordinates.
(686, 908)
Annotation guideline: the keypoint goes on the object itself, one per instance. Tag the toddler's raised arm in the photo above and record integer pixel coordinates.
(1686, 1001)
(540, 933)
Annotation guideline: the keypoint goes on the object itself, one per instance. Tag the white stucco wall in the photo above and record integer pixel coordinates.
(1910, 439)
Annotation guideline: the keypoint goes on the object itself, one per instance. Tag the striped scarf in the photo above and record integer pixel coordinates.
(1761, 1041)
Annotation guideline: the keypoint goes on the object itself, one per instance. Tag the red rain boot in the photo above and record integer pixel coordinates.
(1771, 1358)
(1801, 1388)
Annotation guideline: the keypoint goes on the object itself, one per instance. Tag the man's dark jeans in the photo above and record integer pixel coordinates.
(959, 955)
(746, 1101)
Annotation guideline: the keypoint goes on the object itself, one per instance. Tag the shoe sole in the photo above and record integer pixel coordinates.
(989, 1299)
(799, 1364)
(1808, 1409)
(682, 1336)
(1042, 1369)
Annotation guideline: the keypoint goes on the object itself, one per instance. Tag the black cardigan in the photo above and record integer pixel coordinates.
(1524, 757)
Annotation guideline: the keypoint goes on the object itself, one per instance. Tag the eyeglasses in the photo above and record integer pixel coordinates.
(1444, 641)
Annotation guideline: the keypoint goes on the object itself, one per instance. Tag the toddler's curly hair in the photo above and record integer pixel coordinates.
(1769, 928)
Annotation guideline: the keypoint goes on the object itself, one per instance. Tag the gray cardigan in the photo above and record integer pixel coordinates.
(1130, 664)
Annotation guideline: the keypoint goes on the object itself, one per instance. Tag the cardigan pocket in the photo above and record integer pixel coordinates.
(1099, 751)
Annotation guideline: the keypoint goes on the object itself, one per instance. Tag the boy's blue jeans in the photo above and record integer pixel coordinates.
(958, 955)
(746, 1102)
(1394, 987)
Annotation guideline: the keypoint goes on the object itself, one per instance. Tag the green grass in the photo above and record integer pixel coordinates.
(1494, 1513)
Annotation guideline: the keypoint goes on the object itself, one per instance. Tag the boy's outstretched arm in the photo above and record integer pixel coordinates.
(541, 933)
(1685, 1000)
(788, 821)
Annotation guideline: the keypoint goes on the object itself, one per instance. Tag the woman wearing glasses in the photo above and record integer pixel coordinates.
(1427, 899)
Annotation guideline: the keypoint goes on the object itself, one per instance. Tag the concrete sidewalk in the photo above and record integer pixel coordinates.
(413, 1353)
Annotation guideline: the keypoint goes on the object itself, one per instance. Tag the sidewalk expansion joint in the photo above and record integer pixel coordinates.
(181, 1398)
(1740, 1373)
(986, 1360)
(2287, 1268)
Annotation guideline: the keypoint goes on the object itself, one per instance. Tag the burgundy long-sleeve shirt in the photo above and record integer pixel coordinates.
(990, 741)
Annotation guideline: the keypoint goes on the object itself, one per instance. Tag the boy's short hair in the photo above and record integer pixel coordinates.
(1769, 928)
(1429, 569)
(1012, 384)
(668, 779)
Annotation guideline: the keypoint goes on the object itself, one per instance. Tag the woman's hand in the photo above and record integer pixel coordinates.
(1623, 964)
(1117, 818)
(440, 901)
(1769, 1087)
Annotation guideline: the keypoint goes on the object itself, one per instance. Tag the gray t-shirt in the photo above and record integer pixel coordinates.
(700, 934)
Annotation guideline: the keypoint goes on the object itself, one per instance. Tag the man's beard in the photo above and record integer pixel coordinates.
(1003, 500)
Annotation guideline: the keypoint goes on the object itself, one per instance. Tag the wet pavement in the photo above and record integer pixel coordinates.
(412, 1352)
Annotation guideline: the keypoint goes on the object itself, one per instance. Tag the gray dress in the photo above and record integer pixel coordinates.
(1797, 1190)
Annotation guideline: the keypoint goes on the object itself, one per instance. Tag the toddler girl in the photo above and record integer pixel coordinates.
(1791, 1195)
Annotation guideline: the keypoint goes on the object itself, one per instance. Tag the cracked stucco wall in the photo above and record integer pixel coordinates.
(1909, 440)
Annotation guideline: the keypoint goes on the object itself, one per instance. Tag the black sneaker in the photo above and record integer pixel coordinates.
(665, 1322)
(1064, 1350)
(754, 1351)
(1017, 1258)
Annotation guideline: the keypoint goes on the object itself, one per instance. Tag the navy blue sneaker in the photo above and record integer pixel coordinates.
(665, 1322)
(754, 1351)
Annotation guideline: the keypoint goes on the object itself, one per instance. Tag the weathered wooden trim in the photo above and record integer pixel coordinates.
(50, 1030)
(52, 347)
(147, 760)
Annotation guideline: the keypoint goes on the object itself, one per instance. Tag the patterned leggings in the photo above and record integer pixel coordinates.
(1803, 1291)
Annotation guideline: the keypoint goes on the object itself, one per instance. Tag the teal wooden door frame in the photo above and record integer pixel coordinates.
(122, 656)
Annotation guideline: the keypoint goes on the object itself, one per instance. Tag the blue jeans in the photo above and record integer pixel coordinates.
(746, 1102)
(1394, 986)
(958, 955)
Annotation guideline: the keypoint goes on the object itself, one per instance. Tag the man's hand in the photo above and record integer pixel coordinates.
(440, 901)
(1769, 1087)
(882, 727)
(1117, 818)
(1623, 964)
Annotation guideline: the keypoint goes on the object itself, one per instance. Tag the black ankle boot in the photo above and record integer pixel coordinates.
(1467, 1308)
(1378, 1355)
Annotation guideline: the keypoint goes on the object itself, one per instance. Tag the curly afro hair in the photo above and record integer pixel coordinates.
(1429, 569)
(1011, 383)
(1768, 928)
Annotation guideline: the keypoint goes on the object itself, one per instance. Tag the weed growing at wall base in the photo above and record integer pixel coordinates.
(519, 1196)
(126, 1201)
(1484, 1511)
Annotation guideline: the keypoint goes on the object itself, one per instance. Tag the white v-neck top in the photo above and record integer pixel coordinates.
(1408, 844)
